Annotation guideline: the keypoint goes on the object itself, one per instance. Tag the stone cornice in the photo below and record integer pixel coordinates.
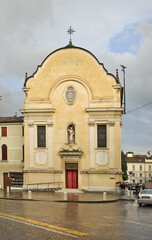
(73, 154)
(104, 110)
(42, 171)
(24, 111)
(94, 171)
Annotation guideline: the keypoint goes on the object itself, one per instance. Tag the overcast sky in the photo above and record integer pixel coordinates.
(115, 31)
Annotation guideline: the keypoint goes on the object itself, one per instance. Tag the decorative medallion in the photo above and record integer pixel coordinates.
(70, 95)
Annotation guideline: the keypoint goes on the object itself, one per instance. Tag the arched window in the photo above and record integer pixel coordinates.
(4, 152)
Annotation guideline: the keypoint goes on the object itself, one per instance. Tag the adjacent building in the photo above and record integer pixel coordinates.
(139, 167)
(11, 151)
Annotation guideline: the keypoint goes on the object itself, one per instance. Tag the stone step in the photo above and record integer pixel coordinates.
(70, 190)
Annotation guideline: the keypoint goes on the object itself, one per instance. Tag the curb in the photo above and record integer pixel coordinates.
(104, 201)
(69, 201)
(61, 201)
(126, 199)
(19, 199)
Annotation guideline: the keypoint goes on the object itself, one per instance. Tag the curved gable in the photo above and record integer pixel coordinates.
(73, 63)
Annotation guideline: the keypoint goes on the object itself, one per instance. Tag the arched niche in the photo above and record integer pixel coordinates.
(71, 133)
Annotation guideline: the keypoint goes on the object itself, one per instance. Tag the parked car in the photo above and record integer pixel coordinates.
(145, 197)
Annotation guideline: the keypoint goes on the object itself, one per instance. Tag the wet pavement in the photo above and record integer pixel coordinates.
(64, 195)
(49, 220)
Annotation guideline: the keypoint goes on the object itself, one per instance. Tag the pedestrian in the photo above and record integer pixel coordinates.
(122, 188)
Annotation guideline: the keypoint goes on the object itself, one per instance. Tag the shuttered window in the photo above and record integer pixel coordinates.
(101, 136)
(41, 136)
(4, 131)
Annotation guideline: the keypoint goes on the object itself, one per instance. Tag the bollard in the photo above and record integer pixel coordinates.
(8, 189)
(104, 195)
(65, 196)
(29, 195)
(128, 193)
(131, 195)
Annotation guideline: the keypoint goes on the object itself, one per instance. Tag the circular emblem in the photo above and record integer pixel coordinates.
(70, 95)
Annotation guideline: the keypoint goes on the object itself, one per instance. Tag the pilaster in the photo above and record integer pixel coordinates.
(92, 143)
(31, 144)
(111, 144)
(50, 144)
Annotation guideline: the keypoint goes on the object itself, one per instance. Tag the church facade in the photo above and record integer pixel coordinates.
(72, 123)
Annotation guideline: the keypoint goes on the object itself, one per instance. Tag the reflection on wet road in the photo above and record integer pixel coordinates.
(50, 220)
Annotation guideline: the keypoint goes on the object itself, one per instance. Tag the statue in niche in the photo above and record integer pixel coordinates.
(71, 133)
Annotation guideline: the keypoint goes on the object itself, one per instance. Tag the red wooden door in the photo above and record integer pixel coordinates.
(72, 179)
(6, 180)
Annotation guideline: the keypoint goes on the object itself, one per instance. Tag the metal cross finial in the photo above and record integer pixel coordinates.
(70, 31)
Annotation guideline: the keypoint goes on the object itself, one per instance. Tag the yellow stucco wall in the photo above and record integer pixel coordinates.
(68, 63)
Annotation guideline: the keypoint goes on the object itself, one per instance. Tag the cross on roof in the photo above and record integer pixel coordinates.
(70, 31)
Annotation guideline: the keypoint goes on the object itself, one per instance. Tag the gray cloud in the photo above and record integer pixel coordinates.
(137, 130)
